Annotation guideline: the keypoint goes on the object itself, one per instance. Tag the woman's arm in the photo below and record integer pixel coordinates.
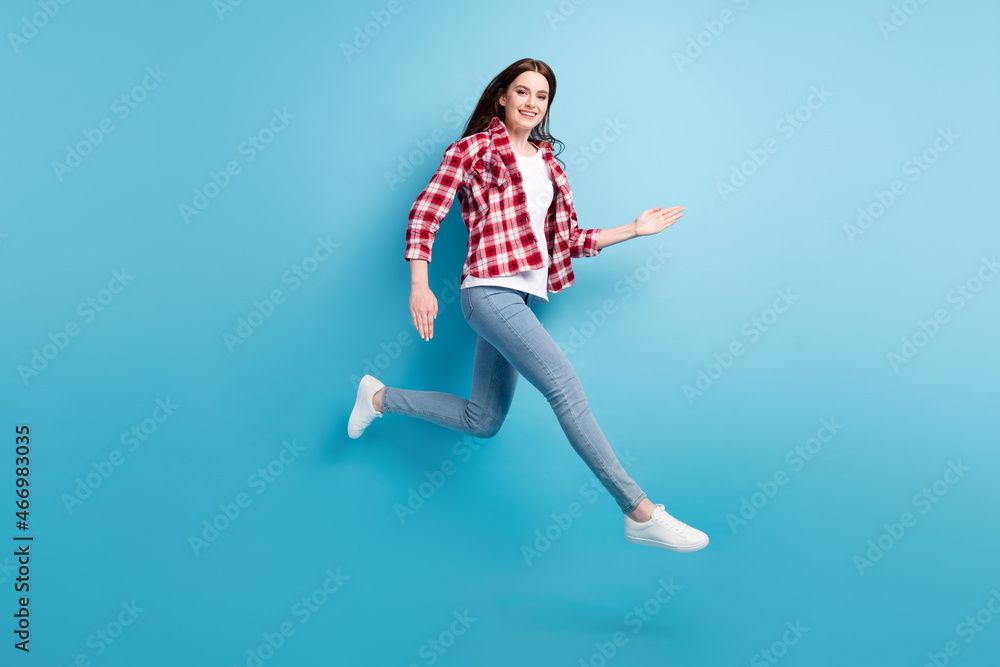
(428, 210)
(650, 221)
(423, 303)
(433, 203)
(418, 272)
(616, 235)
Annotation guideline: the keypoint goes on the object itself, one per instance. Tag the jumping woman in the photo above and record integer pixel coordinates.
(518, 208)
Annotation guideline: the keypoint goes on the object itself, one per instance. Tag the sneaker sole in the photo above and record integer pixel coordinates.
(661, 545)
(355, 413)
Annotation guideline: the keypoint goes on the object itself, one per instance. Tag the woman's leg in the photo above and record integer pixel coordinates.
(493, 384)
(504, 319)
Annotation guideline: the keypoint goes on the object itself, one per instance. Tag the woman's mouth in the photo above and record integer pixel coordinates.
(528, 114)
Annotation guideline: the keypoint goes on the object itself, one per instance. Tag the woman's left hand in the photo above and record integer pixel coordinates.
(655, 220)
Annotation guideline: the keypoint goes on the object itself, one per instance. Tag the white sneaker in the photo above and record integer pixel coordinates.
(364, 412)
(665, 532)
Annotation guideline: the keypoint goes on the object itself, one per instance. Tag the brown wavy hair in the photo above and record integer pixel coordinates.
(489, 107)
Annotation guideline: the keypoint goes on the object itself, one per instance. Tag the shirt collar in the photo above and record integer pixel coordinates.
(502, 138)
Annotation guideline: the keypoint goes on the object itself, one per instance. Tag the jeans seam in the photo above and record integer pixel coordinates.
(493, 374)
(489, 396)
(493, 388)
(423, 412)
(541, 363)
(436, 414)
(452, 419)
(635, 503)
(471, 309)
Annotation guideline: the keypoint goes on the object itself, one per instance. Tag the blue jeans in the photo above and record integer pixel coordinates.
(513, 342)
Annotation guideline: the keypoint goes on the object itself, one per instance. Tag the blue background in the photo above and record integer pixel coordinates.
(361, 116)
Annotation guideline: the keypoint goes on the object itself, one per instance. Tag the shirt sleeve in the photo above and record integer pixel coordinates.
(433, 204)
(582, 242)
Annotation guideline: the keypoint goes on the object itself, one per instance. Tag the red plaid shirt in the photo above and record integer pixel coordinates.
(482, 170)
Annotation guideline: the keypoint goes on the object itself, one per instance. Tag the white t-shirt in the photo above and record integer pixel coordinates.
(539, 189)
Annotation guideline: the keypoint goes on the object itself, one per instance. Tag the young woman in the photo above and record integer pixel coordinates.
(518, 208)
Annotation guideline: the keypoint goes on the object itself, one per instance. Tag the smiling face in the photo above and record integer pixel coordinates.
(526, 100)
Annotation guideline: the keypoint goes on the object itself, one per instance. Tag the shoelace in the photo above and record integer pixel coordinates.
(667, 521)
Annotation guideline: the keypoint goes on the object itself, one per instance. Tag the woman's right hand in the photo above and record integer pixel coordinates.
(423, 308)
